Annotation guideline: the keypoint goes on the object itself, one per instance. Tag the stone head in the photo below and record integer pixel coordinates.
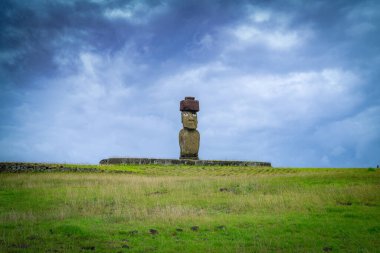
(189, 108)
(189, 119)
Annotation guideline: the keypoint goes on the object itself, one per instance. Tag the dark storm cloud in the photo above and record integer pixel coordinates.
(35, 33)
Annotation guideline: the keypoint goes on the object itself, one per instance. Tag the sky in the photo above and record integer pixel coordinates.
(294, 83)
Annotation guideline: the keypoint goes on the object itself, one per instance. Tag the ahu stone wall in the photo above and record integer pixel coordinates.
(13, 167)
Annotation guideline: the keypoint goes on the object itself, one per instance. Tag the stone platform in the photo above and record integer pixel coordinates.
(138, 161)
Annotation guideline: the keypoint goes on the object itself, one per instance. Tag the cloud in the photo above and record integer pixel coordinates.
(101, 105)
(286, 82)
(278, 40)
(87, 113)
(267, 109)
(136, 12)
(267, 28)
(351, 136)
(260, 16)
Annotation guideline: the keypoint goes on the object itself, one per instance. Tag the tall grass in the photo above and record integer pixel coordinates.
(256, 209)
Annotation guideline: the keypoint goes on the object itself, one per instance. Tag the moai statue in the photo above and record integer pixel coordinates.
(189, 136)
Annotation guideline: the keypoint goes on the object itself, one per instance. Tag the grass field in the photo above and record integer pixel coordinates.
(191, 209)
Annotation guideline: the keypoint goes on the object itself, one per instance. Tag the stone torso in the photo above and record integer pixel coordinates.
(189, 143)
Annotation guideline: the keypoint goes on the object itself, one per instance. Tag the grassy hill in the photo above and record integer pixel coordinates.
(191, 209)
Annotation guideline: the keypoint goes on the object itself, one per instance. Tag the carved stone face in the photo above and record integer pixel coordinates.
(189, 120)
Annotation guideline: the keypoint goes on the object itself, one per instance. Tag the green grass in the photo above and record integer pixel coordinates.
(236, 209)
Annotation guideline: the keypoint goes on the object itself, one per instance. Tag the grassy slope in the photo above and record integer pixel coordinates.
(244, 209)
